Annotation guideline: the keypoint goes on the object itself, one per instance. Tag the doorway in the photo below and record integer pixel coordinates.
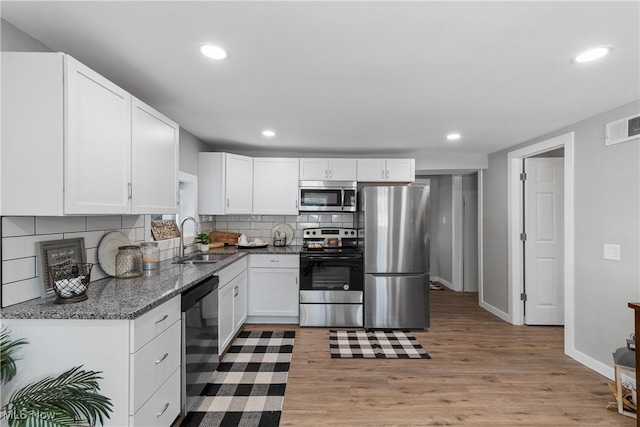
(515, 248)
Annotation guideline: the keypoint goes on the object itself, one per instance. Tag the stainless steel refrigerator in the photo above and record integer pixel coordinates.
(395, 225)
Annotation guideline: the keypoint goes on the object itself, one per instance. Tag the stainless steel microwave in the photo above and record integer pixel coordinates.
(328, 196)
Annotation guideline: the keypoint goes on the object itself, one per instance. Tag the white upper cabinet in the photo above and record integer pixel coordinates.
(386, 170)
(97, 165)
(73, 128)
(154, 157)
(327, 169)
(275, 186)
(225, 184)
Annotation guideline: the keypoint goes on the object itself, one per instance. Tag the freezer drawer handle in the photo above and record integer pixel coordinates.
(408, 276)
(166, 406)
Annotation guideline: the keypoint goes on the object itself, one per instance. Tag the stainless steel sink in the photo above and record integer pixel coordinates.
(202, 258)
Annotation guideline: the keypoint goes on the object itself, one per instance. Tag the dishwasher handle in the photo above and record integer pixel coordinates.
(199, 291)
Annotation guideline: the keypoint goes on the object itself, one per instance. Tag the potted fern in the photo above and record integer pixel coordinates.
(70, 399)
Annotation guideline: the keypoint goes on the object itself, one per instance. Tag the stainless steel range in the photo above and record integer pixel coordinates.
(331, 278)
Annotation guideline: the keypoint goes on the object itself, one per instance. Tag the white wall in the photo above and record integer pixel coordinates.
(445, 228)
(190, 146)
(607, 210)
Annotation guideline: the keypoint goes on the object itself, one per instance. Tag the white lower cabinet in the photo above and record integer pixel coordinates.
(139, 360)
(163, 407)
(273, 289)
(232, 306)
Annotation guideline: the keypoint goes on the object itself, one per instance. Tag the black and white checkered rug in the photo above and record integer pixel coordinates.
(248, 387)
(375, 344)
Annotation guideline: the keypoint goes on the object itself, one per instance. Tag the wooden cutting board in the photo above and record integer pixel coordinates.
(224, 237)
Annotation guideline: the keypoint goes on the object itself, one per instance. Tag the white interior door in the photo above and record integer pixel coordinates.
(544, 243)
(470, 244)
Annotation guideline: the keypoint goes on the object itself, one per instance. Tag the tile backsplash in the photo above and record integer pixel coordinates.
(261, 226)
(21, 276)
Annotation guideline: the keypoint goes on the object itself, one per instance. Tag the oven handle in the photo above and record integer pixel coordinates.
(326, 258)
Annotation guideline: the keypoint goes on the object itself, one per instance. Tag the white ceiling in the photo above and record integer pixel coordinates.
(355, 77)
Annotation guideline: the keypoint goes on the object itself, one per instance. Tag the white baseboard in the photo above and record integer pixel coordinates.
(491, 309)
(444, 282)
(591, 363)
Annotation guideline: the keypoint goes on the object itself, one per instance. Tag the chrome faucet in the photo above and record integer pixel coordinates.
(182, 245)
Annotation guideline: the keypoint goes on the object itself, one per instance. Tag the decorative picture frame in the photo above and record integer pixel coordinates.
(56, 252)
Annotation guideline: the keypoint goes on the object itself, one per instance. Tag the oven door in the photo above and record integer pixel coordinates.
(320, 199)
(331, 273)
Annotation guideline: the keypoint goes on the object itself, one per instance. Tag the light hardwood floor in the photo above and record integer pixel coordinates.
(483, 372)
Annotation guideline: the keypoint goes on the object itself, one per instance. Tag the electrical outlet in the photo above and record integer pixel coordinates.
(612, 252)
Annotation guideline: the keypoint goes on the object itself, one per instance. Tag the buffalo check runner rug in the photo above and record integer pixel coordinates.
(375, 344)
(248, 387)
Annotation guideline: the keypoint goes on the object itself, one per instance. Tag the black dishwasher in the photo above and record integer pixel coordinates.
(199, 339)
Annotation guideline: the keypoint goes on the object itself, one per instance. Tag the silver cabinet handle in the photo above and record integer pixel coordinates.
(382, 173)
(326, 173)
(227, 202)
(130, 190)
(274, 260)
(159, 361)
(387, 177)
(296, 203)
(166, 406)
(162, 319)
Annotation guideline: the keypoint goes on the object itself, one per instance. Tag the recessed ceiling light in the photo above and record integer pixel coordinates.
(268, 133)
(213, 52)
(453, 136)
(591, 54)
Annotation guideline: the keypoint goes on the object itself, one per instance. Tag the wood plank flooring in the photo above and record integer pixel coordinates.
(483, 372)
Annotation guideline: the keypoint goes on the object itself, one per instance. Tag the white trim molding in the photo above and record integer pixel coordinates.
(514, 206)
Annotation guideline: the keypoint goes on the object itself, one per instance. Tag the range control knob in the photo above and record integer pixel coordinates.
(353, 232)
(313, 232)
(345, 287)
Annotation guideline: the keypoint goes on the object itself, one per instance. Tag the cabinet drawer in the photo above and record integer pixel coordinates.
(163, 407)
(227, 274)
(151, 324)
(153, 364)
(274, 261)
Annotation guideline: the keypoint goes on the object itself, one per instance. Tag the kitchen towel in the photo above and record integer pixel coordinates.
(248, 387)
(375, 345)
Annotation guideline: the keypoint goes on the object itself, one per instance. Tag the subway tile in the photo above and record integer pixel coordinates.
(253, 233)
(341, 218)
(132, 221)
(130, 233)
(221, 225)
(18, 269)
(313, 218)
(327, 224)
(246, 218)
(13, 226)
(291, 218)
(110, 222)
(91, 238)
(303, 218)
(17, 292)
(26, 246)
(325, 218)
(274, 218)
(139, 234)
(233, 225)
(62, 224)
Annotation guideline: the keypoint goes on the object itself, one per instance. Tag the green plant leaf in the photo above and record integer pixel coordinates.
(7, 361)
(70, 399)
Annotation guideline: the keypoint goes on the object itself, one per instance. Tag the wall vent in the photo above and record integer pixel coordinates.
(623, 130)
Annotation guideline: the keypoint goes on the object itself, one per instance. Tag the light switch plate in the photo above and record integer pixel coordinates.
(611, 252)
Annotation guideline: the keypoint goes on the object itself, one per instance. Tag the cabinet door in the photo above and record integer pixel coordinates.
(97, 164)
(240, 300)
(371, 170)
(400, 170)
(342, 169)
(239, 184)
(314, 169)
(225, 316)
(273, 292)
(275, 186)
(154, 161)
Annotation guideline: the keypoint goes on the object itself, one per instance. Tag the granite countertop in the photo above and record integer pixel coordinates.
(113, 298)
